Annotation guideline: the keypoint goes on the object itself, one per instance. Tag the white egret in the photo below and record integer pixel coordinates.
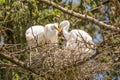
(34, 35)
(38, 33)
(51, 32)
(76, 38)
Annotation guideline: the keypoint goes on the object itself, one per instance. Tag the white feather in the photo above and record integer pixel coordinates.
(76, 38)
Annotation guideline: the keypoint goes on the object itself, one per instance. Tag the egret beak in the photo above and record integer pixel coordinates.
(58, 29)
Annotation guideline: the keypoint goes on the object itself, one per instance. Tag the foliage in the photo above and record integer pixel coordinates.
(16, 16)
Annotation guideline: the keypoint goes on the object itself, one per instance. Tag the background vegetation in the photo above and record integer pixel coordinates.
(16, 16)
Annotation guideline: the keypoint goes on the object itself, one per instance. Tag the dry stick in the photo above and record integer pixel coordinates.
(78, 15)
(20, 51)
(78, 62)
(23, 65)
(7, 65)
(99, 6)
(117, 5)
(17, 62)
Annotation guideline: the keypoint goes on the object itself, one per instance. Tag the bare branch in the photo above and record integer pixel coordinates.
(82, 16)
(6, 65)
(79, 62)
(17, 62)
(99, 6)
(117, 5)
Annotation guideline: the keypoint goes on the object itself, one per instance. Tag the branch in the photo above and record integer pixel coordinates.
(99, 6)
(82, 16)
(17, 62)
(117, 5)
(6, 65)
(77, 63)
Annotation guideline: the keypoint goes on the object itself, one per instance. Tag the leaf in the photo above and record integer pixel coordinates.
(2, 1)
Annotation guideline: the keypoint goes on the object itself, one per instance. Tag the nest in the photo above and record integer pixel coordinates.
(57, 63)
(54, 59)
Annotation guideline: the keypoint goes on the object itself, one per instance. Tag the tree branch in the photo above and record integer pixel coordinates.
(17, 62)
(82, 16)
(117, 5)
(99, 6)
(6, 65)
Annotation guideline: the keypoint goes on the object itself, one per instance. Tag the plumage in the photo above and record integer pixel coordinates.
(34, 35)
(51, 32)
(76, 38)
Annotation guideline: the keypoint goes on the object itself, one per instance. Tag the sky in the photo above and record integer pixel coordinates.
(1, 40)
(75, 1)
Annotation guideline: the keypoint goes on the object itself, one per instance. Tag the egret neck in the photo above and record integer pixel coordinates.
(65, 26)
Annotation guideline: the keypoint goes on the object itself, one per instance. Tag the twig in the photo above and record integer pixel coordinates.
(18, 62)
(117, 5)
(6, 65)
(99, 6)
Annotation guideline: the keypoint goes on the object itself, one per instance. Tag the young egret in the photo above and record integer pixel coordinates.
(38, 33)
(34, 35)
(76, 38)
(51, 32)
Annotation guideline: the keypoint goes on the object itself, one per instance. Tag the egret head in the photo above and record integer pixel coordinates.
(52, 27)
(51, 32)
(56, 27)
(65, 25)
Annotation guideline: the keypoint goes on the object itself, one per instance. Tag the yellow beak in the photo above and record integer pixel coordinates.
(58, 29)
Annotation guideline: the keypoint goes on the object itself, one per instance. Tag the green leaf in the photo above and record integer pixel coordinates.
(2, 1)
